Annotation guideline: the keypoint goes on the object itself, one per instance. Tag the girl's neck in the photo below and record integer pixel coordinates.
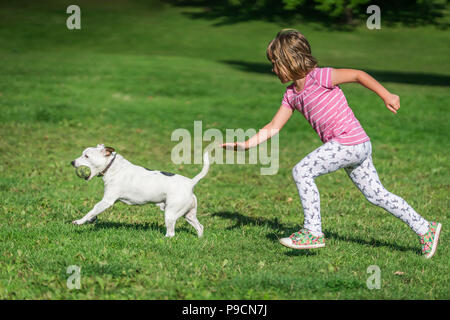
(299, 84)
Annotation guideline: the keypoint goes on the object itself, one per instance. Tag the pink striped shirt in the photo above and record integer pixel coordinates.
(326, 109)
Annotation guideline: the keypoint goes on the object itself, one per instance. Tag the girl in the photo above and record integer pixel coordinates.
(316, 94)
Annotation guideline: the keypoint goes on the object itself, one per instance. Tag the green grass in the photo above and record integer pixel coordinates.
(136, 72)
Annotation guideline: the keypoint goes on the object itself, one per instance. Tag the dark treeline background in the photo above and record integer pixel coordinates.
(345, 13)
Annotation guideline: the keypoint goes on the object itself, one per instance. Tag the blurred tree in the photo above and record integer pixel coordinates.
(343, 10)
(329, 12)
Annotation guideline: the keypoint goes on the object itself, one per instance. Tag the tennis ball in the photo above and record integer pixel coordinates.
(83, 172)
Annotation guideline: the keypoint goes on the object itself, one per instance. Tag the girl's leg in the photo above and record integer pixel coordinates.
(365, 177)
(327, 158)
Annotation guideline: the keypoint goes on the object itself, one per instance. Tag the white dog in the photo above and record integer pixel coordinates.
(133, 184)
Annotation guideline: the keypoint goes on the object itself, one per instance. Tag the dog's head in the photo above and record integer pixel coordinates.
(96, 158)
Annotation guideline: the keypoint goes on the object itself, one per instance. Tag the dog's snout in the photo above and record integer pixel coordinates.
(73, 163)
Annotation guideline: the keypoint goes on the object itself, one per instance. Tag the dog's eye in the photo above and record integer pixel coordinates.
(86, 156)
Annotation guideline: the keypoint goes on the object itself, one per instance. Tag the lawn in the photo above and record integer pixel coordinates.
(137, 71)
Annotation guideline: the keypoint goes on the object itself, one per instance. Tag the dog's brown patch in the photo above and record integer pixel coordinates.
(109, 150)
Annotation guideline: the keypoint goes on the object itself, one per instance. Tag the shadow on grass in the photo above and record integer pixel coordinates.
(104, 225)
(428, 79)
(284, 230)
(242, 220)
(372, 242)
(278, 228)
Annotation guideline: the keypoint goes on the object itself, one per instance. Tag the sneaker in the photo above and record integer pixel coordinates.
(303, 239)
(430, 239)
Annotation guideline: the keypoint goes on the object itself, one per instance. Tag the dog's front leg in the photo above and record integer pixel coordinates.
(98, 208)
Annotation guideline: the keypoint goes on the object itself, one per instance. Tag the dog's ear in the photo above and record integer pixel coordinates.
(108, 151)
(101, 146)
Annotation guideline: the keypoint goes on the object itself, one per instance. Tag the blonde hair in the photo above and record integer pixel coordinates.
(291, 53)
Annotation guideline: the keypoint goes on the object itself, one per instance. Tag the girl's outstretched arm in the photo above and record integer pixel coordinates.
(339, 76)
(267, 132)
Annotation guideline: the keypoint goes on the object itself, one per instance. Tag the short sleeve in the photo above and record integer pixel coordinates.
(323, 76)
(287, 100)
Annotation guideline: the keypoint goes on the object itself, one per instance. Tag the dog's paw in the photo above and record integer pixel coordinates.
(78, 222)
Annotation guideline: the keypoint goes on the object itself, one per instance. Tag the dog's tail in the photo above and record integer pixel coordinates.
(204, 171)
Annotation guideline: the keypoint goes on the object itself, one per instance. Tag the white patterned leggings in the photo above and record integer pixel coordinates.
(357, 162)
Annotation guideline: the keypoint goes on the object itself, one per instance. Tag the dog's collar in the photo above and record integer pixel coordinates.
(107, 167)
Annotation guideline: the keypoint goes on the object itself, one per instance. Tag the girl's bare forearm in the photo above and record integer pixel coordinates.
(264, 134)
(370, 83)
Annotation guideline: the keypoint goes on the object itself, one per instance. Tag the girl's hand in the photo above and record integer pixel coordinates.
(392, 102)
(234, 146)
